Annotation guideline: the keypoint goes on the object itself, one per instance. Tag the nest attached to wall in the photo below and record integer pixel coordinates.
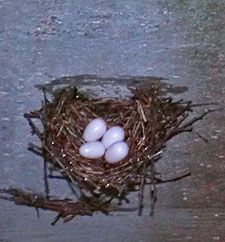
(149, 122)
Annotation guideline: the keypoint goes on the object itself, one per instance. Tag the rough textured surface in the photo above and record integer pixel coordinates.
(179, 40)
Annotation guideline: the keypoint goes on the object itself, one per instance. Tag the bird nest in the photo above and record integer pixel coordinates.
(149, 121)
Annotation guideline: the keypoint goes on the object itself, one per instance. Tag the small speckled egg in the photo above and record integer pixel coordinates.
(116, 152)
(95, 130)
(113, 135)
(92, 150)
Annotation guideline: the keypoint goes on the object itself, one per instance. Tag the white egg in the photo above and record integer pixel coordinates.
(92, 150)
(95, 130)
(113, 135)
(116, 152)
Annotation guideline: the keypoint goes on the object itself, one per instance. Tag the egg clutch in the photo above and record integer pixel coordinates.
(102, 142)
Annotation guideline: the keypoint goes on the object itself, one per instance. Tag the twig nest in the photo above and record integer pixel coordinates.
(77, 142)
(102, 163)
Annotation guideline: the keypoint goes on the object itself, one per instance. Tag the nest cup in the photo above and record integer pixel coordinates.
(149, 121)
(146, 118)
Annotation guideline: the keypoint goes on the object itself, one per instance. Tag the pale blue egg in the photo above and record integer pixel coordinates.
(92, 150)
(116, 152)
(113, 135)
(95, 130)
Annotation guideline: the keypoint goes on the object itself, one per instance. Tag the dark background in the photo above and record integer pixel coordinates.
(180, 40)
